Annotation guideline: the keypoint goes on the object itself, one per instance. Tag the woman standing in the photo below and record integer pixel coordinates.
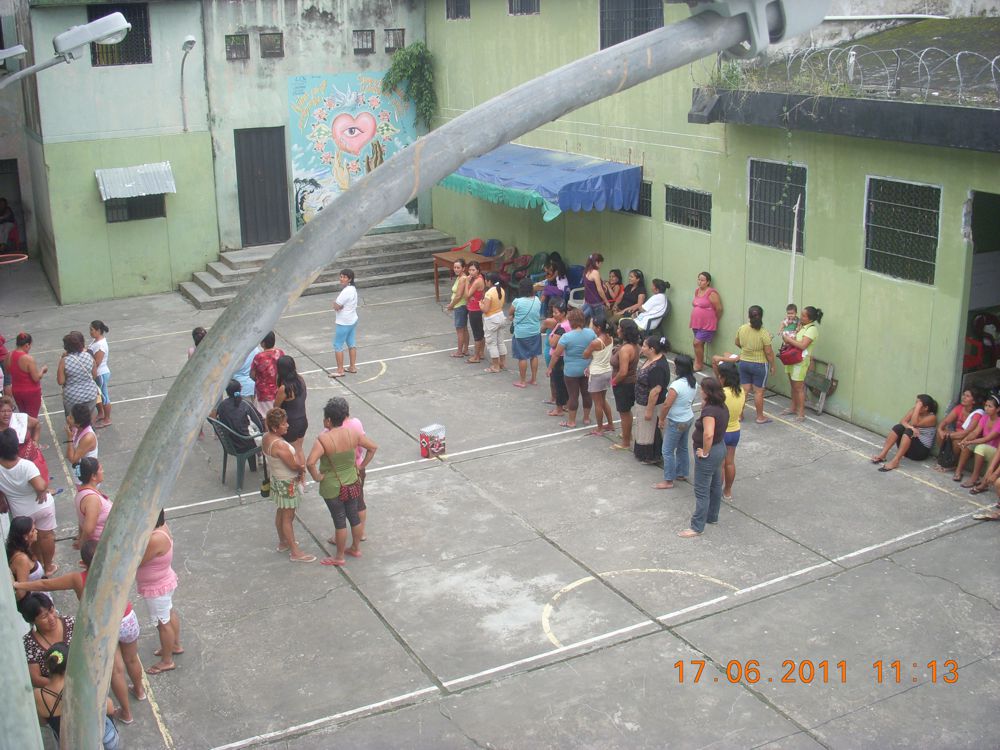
(709, 455)
(337, 474)
(460, 312)
(28, 430)
(803, 340)
(264, 373)
(291, 396)
(156, 581)
(736, 399)
(27, 495)
(286, 471)
(756, 358)
(676, 417)
(556, 326)
(76, 374)
(475, 289)
(525, 314)
(707, 309)
(346, 306)
(650, 392)
(571, 347)
(82, 438)
(598, 352)
(595, 299)
(624, 368)
(92, 505)
(493, 320)
(25, 377)
(48, 628)
(102, 374)
(633, 297)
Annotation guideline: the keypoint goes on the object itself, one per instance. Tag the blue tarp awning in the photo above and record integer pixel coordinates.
(526, 177)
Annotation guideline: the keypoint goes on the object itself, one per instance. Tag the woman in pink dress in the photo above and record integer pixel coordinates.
(156, 581)
(264, 373)
(707, 309)
(92, 505)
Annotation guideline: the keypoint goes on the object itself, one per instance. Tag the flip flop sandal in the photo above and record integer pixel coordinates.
(989, 515)
(329, 561)
(978, 490)
(885, 468)
(968, 485)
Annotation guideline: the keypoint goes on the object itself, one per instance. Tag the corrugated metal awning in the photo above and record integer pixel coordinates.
(132, 182)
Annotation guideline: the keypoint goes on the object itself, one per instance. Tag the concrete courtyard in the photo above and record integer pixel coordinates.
(529, 590)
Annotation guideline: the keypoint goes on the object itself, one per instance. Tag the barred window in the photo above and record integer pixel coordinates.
(364, 41)
(135, 48)
(457, 9)
(272, 44)
(901, 229)
(774, 190)
(523, 7)
(625, 19)
(645, 207)
(134, 209)
(237, 46)
(395, 39)
(689, 208)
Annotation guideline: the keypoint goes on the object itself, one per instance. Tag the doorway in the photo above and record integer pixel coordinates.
(10, 189)
(262, 185)
(982, 336)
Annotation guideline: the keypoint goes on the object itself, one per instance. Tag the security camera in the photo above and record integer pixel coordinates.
(189, 42)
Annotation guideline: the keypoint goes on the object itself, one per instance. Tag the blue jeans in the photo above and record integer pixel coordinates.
(708, 487)
(676, 461)
(594, 312)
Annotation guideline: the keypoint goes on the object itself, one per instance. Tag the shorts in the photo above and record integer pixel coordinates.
(732, 439)
(527, 348)
(296, 429)
(343, 337)
(753, 373)
(342, 512)
(102, 383)
(159, 608)
(599, 383)
(476, 324)
(797, 373)
(985, 450)
(128, 631)
(45, 517)
(624, 397)
(918, 451)
(702, 335)
(461, 316)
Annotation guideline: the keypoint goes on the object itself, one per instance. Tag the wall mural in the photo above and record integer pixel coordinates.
(342, 127)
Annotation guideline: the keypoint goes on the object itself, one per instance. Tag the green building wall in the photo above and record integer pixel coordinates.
(888, 339)
(97, 259)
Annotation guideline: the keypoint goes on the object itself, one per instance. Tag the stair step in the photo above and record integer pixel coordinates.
(201, 299)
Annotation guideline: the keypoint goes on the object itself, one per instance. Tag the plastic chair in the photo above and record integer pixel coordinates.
(491, 248)
(574, 295)
(474, 245)
(228, 439)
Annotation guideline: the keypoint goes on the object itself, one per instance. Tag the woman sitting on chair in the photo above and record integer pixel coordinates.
(655, 308)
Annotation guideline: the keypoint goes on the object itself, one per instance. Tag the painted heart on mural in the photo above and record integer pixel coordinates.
(353, 133)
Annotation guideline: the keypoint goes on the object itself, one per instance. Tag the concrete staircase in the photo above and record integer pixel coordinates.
(376, 260)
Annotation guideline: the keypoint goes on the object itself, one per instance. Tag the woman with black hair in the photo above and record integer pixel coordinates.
(624, 366)
(264, 373)
(709, 455)
(633, 297)
(555, 326)
(82, 438)
(613, 289)
(756, 358)
(346, 306)
(706, 309)
(525, 314)
(237, 414)
(25, 376)
(286, 471)
(595, 300)
(156, 582)
(102, 373)
(555, 285)
(475, 289)
(736, 399)
(92, 505)
(653, 310)
(21, 560)
(676, 417)
(916, 430)
(493, 322)
(291, 396)
(76, 373)
(48, 627)
(600, 371)
(569, 352)
(803, 339)
(650, 391)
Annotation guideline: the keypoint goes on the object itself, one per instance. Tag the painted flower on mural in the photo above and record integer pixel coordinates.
(319, 146)
(359, 98)
(374, 102)
(354, 168)
(384, 115)
(320, 114)
(330, 103)
(326, 157)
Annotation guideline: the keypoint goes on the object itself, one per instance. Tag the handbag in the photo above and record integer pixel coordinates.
(946, 456)
(348, 492)
(789, 355)
(265, 485)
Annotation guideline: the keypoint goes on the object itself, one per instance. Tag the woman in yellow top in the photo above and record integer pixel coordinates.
(458, 308)
(802, 339)
(493, 322)
(736, 399)
(756, 358)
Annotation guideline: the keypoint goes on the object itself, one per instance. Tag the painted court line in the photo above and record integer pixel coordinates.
(569, 647)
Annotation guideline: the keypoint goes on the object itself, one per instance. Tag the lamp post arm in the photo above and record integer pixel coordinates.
(31, 70)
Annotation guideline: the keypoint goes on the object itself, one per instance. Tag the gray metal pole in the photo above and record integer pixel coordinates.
(20, 725)
(158, 459)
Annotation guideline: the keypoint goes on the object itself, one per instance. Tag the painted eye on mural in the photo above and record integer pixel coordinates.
(352, 132)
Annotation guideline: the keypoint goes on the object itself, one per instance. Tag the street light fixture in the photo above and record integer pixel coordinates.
(69, 44)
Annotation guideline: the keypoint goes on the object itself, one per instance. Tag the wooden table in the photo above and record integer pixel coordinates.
(448, 257)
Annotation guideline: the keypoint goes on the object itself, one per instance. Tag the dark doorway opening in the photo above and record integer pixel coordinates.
(262, 185)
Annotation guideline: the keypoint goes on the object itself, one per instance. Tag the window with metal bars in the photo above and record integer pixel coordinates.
(364, 41)
(774, 189)
(689, 208)
(135, 209)
(645, 207)
(272, 44)
(395, 39)
(237, 46)
(901, 229)
(523, 7)
(135, 48)
(457, 9)
(625, 19)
